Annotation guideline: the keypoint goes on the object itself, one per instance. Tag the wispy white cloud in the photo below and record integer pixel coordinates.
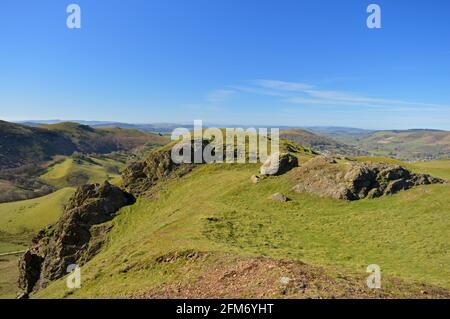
(219, 96)
(284, 86)
(307, 94)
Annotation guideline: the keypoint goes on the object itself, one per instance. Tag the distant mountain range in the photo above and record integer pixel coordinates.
(409, 145)
(163, 128)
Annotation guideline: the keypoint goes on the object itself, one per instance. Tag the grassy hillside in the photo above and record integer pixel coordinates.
(440, 168)
(105, 140)
(217, 210)
(78, 170)
(26, 151)
(21, 145)
(437, 168)
(8, 278)
(29, 216)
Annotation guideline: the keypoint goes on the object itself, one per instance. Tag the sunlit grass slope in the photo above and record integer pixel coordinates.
(33, 214)
(74, 172)
(436, 168)
(217, 208)
(439, 168)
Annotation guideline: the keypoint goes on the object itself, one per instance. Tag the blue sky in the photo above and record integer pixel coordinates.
(258, 62)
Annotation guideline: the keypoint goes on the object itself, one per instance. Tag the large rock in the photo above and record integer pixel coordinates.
(350, 180)
(278, 164)
(75, 238)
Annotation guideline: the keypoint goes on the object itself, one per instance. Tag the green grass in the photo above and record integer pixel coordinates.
(74, 172)
(33, 214)
(10, 191)
(8, 279)
(217, 208)
(438, 168)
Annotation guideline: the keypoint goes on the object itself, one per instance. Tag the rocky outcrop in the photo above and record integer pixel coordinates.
(350, 180)
(75, 238)
(139, 177)
(278, 164)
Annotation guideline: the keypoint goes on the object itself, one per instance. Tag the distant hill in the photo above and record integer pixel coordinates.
(27, 151)
(337, 130)
(164, 128)
(408, 145)
(21, 144)
(323, 144)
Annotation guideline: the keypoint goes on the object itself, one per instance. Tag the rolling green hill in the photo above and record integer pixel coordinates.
(78, 170)
(29, 216)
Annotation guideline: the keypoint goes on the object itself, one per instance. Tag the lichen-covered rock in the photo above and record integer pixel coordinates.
(350, 180)
(75, 238)
(278, 164)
